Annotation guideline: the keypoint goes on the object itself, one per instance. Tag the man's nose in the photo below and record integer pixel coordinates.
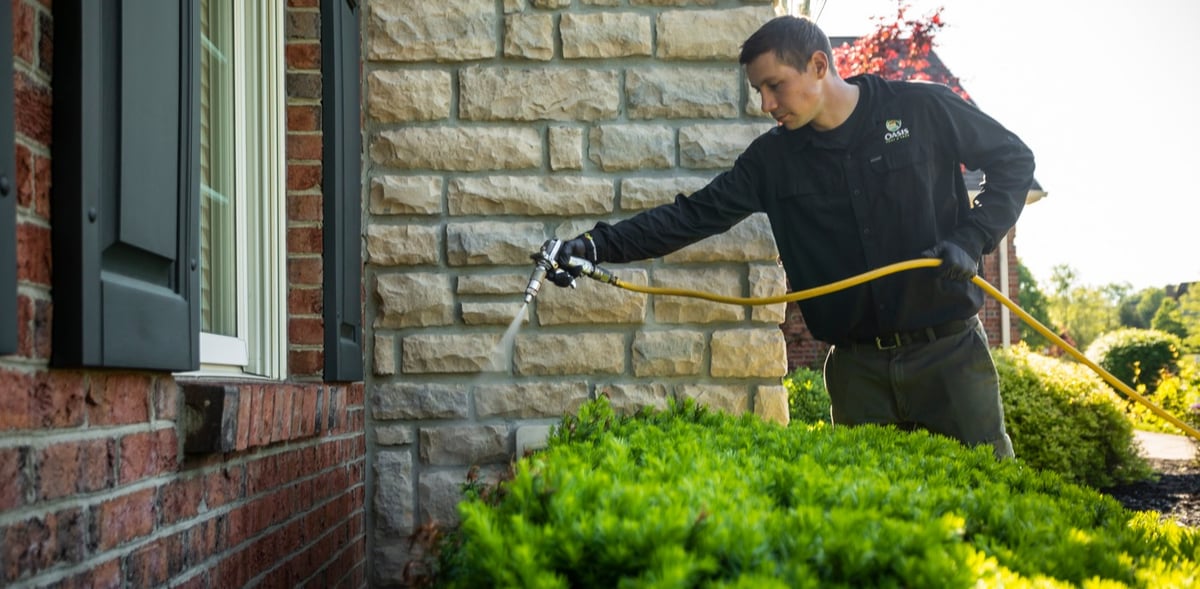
(767, 102)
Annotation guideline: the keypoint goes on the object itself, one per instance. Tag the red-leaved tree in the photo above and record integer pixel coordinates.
(898, 49)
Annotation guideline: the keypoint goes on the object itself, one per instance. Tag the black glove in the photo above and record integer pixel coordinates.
(957, 264)
(579, 247)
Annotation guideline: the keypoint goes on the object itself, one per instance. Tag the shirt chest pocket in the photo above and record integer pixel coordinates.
(900, 172)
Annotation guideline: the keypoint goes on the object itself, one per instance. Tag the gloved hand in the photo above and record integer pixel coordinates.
(579, 247)
(957, 264)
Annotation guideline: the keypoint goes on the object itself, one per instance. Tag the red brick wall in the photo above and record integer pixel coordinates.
(803, 350)
(95, 489)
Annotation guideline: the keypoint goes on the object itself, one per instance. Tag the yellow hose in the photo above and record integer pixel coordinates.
(909, 265)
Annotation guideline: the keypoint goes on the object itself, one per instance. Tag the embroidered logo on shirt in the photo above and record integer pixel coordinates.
(896, 131)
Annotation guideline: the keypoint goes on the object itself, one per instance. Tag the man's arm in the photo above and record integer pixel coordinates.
(1007, 164)
(726, 200)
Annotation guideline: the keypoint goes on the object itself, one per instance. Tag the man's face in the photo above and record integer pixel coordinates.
(792, 97)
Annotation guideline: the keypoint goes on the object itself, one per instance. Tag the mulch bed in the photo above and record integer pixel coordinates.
(1175, 494)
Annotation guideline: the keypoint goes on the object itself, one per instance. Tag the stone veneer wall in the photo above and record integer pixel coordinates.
(491, 126)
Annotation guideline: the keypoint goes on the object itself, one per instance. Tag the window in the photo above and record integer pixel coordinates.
(242, 188)
(127, 176)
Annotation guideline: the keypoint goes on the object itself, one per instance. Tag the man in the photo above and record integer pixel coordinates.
(861, 173)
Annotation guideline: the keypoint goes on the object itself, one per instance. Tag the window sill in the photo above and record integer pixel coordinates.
(232, 416)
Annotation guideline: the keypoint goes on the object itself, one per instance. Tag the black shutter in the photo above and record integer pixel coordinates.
(8, 192)
(126, 184)
(342, 190)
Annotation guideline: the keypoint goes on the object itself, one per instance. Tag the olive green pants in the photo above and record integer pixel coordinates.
(948, 386)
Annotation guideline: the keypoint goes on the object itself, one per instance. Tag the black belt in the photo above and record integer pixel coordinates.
(889, 341)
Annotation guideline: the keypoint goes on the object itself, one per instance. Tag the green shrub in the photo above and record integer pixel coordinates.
(808, 401)
(1137, 356)
(1178, 395)
(1062, 417)
(689, 498)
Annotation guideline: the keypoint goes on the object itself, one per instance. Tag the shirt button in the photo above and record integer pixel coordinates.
(866, 230)
(857, 192)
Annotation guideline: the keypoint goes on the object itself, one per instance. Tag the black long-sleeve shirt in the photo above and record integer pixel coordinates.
(878, 189)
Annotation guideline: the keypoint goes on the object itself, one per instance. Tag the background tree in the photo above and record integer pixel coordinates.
(1138, 309)
(1033, 301)
(1189, 315)
(898, 48)
(1168, 318)
(1083, 311)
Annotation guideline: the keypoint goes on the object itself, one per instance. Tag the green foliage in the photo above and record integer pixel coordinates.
(1063, 418)
(1189, 315)
(690, 498)
(808, 401)
(1137, 356)
(1083, 311)
(1169, 319)
(1177, 394)
(1033, 301)
(1137, 309)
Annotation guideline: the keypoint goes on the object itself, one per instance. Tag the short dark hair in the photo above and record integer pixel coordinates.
(794, 39)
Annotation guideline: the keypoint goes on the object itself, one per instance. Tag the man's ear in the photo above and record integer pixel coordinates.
(820, 64)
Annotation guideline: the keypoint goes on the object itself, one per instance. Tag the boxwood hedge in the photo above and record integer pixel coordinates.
(689, 498)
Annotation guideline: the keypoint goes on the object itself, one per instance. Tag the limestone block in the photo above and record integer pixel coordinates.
(646, 193)
(447, 30)
(601, 2)
(599, 35)
(395, 435)
(529, 36)
(408, 95)
(406, 195)
(419, 401)
(478, 283)
(748, 353)
(682, 93)
(593, 302)
(413, 300)
(678, 309)
(631, 147)
(748, 241)
(531, 438)
(439, 492)
(708, 34)
(493, 242)
(451, 353)
(458, 149)
(402, 245)
(550, 4)
(771, 404)
(768, 281)
(731, 399)
(385, 355)
(627, 399)
(394, 492)
(530, 399)
(673, 2)
(511, 6)
(530, 195)
(492, 313)
(706, 147)
(465, 445)
(566, 148)
(524, 94)
(675, 352)
(562, 354)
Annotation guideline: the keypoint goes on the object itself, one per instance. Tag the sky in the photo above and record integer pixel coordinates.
(1107, 95)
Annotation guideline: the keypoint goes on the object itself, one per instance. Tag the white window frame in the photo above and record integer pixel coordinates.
(260, 102)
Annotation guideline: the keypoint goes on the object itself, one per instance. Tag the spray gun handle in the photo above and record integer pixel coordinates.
(592, 270)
